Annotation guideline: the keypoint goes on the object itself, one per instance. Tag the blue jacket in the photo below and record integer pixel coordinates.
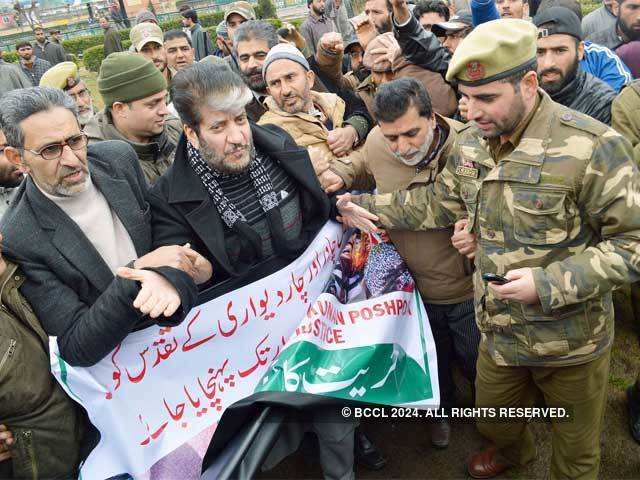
(483, 11)
(604, 64)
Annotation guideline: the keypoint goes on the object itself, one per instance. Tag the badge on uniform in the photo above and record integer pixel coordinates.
(465, 171)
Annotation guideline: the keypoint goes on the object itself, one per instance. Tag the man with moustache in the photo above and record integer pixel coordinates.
(178, 49)
(379, 15)
(559, 51)
(323, 122)
(66, 76)
(407, 150)
(11, 77)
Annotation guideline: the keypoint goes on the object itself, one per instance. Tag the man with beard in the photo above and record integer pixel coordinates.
(320, 121)
(66, 76)
(560, 50)
(316, 24)
(251, 44)
(552, 196)
(178, 49)
(378, 14)
(32, 66)
(134, 93)
(147, 40)
(407, 150)
(248, 198)
(626, 29)
(10, 177)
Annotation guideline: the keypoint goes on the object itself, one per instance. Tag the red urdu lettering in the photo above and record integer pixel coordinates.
(140, 376)
(186, 346)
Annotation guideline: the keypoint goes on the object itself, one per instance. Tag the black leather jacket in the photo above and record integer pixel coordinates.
(587, 94)
(421, 47)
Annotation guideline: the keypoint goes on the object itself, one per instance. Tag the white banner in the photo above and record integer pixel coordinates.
(157, 398)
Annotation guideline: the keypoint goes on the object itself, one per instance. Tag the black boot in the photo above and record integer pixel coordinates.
(366, 453)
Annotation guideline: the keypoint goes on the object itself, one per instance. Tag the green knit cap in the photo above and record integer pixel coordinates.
(125, 77)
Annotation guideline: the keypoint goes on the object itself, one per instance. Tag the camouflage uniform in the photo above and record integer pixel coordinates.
(565, 202)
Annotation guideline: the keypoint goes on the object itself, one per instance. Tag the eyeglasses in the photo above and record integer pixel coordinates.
(54, 150)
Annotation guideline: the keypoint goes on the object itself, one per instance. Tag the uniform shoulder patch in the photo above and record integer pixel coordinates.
(581, 121)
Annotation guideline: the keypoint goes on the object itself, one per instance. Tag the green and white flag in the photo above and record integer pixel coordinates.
(344, 320)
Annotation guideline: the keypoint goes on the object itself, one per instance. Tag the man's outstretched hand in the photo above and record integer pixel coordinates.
(156, 296)
(355, 216)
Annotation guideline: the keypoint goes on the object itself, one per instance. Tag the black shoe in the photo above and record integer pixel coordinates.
(633, 405)
(366, 452)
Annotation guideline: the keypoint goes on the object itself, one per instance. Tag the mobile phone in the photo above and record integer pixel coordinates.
(495, 278)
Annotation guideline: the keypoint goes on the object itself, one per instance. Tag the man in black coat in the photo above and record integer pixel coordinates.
(77, 220)
(240, 194)
(247, 197)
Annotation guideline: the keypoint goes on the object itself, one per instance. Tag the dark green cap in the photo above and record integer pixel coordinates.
(126, 77)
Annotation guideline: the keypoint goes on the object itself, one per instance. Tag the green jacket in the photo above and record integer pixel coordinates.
(45, 422)
(624, 115)
(566, 203)
(155, 157)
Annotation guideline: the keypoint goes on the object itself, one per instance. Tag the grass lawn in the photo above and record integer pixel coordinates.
(91, 80)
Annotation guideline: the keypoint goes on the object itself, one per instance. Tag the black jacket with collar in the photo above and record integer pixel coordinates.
(183, 211)
(70, 287)
(589, 95)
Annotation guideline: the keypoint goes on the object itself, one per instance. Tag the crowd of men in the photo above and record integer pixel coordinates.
(486, 137)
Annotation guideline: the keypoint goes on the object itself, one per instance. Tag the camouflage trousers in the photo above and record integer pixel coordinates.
(575, 443)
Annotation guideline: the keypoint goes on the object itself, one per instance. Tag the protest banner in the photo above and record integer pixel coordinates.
(343, 320)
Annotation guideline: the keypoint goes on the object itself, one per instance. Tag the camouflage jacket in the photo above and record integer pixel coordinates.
(566, 203)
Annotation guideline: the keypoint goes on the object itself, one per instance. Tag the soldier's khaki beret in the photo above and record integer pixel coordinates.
(492, 51)
(63, 76)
